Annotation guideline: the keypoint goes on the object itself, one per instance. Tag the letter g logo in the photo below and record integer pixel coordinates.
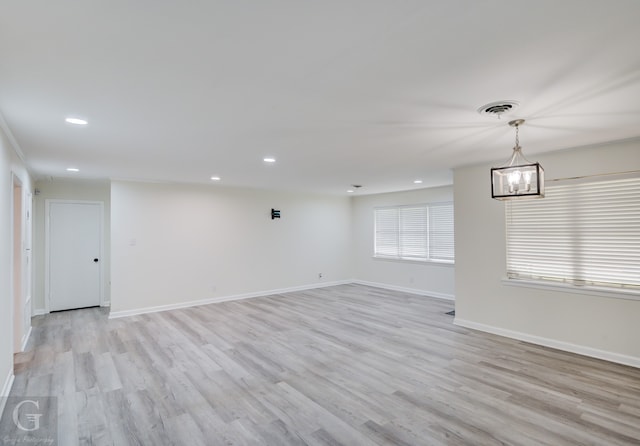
(34, 418)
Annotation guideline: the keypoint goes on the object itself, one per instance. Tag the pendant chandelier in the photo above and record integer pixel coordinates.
(519, 178)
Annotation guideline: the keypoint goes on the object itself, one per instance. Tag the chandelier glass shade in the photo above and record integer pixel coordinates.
(519, 178)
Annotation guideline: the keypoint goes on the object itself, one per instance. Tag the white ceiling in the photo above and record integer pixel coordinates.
(374, 92)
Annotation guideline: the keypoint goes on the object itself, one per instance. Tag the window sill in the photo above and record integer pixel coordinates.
(415, 262)
(568, 288)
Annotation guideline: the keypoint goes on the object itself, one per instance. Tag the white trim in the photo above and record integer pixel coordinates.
(39, 312)
(25, 339)
(406, 290)
(12, 140)
(213, 300)
(8, 384)
(27, 335)
(547, 342)
(47, 253)
(451, 264)
(6, 390)
(613, 293)
(15, 182)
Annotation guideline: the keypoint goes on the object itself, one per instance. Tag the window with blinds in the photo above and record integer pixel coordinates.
(581, 233)
(417, 232)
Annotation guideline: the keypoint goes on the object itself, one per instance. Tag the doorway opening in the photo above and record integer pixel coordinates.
(21, 314)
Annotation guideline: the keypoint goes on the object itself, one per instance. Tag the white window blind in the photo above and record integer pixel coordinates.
(581, 233)
(441, 231)
(413, 233)
(418, 232)
(387, 232)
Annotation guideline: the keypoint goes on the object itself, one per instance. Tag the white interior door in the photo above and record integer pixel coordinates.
(74, 242)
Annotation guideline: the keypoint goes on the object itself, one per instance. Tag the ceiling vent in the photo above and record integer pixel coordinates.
(499, 108)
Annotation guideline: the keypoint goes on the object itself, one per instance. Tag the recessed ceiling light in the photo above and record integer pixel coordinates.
(350, 191)
(269, 160)
(76, 121)
(215, 178)
(73, 169)
(417, 182)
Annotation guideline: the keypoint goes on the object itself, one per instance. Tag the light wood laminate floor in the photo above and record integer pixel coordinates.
(344, 365)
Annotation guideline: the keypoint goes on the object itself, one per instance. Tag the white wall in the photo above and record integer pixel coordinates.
(597, 326)
(6, 315)
(172, 243)
(10, 164)
(67, 189)
(425, 278)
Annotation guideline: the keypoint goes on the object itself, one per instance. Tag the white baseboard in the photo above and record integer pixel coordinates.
(406, 290)
(42, 311)
(547, 342)
(25, 340)
(213, 300)
(6, 390)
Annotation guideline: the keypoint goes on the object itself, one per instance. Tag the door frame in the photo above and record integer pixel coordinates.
(47, 250)
(20, 329)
